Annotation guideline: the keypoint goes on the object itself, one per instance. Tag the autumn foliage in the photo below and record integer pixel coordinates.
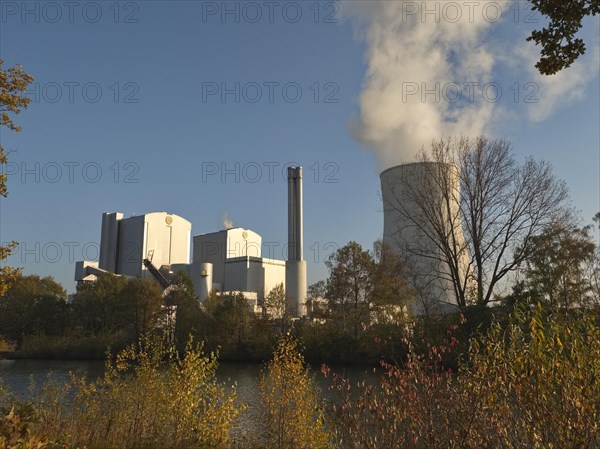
(293, 411)
(531, 384)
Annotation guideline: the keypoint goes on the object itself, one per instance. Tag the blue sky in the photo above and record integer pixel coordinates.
(129, 116)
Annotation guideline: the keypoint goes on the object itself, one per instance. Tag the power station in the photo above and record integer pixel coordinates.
(157, 245)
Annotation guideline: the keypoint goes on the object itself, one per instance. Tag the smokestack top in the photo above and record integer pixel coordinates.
(294, 172)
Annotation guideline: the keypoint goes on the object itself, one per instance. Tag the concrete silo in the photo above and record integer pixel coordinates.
(421, 204)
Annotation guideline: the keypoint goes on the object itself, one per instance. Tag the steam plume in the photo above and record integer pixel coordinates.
(408, 49)
(427, 62)
(227, 222)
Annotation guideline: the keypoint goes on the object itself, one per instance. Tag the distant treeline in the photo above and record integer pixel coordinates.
(107, 315)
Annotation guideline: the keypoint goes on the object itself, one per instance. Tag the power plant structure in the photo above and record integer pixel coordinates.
(126, 242)
(157, 245)
(295, 267)
(415, 195)
(230, 261)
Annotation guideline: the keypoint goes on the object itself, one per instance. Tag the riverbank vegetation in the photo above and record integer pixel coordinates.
(293, 415)
(522, 373)
(531, 382)
(103, 316)
(149, 396)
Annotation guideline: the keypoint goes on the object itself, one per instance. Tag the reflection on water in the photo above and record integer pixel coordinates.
(19, 375)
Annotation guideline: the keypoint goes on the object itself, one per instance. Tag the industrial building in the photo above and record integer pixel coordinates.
(126, 242)
(158, 244)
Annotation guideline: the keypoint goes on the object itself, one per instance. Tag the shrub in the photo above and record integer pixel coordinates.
(540, 380)
(72, 346)
(531, 384)
(17, 423)
(294, 417)
(149, 397)
(16, 428)
(5, 346)
(416, 405)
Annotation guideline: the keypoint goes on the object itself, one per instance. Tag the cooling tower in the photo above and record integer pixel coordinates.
(295, 267)
(415, 195)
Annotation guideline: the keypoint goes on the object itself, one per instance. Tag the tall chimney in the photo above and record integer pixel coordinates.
(295, 267)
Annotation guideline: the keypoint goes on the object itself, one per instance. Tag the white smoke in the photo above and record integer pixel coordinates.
(227, 222)
(408, 50)
(427, 62)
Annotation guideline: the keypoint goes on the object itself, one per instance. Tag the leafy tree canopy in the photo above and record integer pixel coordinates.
(13, 83)
(560, 47)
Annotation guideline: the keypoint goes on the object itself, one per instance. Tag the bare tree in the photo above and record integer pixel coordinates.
(471, 214)
(423, 224)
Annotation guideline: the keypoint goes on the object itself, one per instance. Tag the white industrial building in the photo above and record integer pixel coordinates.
(231, 262)
(224, 261)
(126, 242)
(157, 245)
